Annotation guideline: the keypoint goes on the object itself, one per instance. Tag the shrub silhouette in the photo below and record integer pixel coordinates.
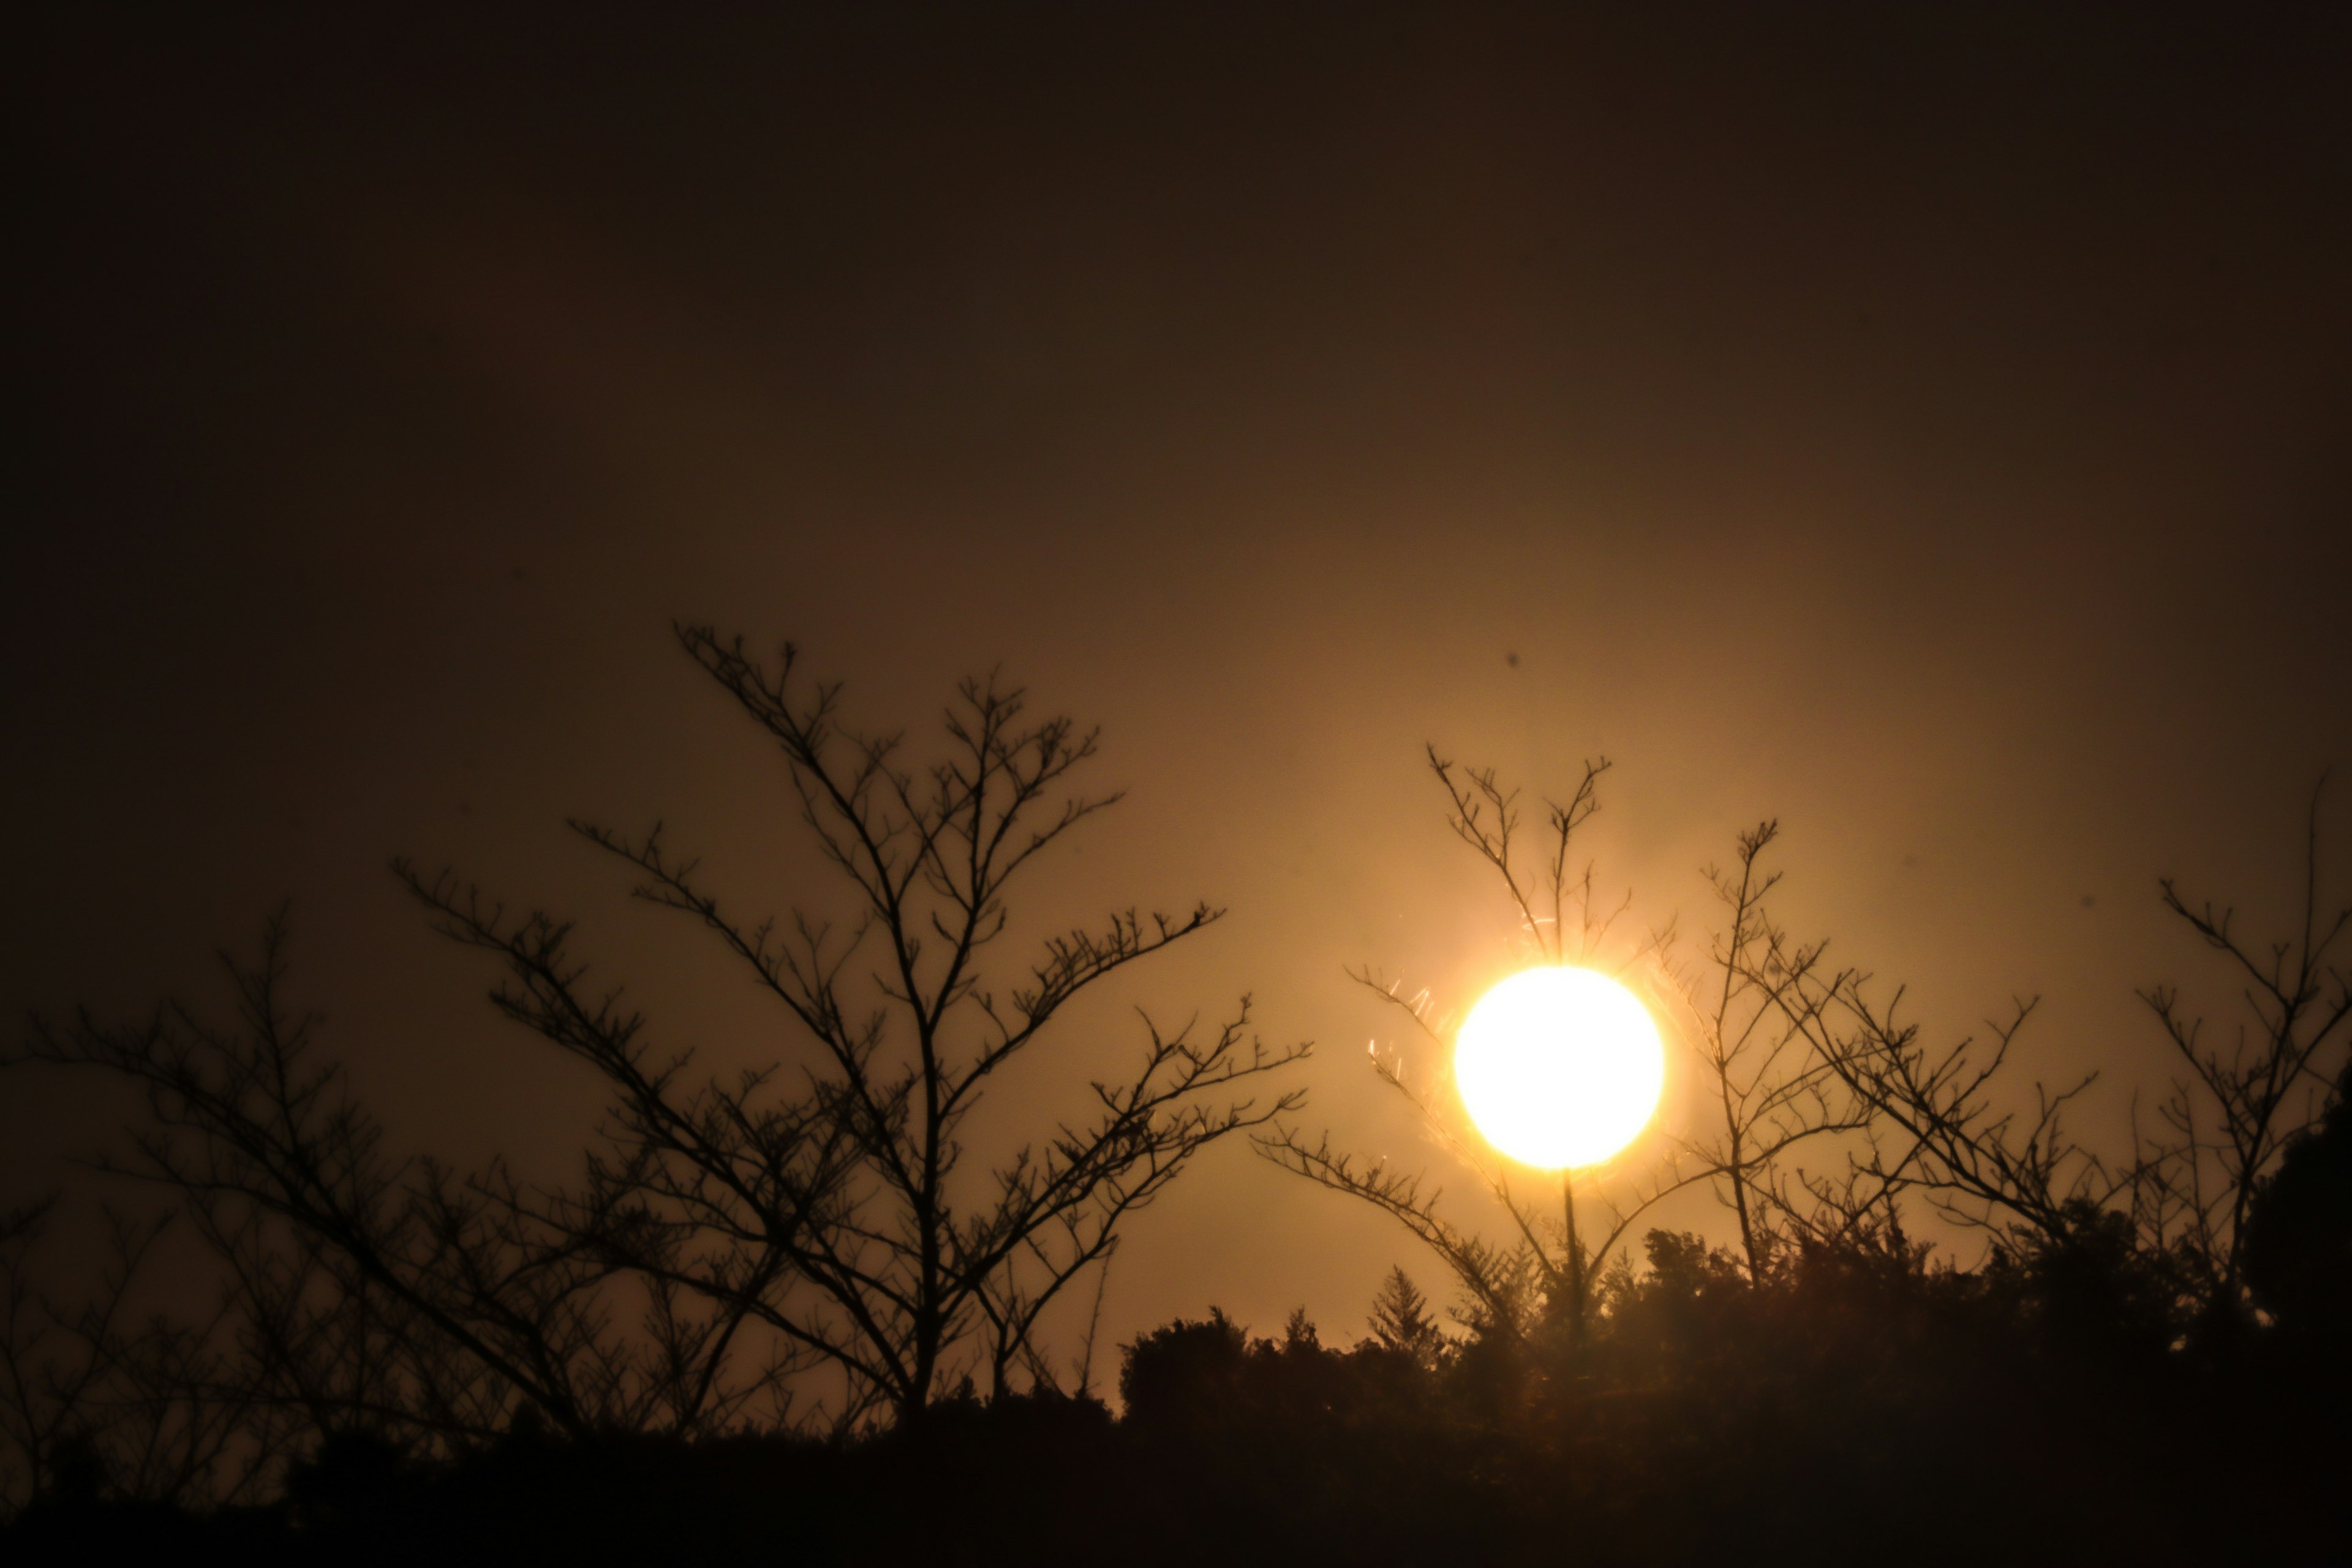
(1186, 1374)
(2299, 1241)
(1862, 1402)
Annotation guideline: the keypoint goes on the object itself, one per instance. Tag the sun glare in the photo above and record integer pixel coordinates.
(1560, 1066)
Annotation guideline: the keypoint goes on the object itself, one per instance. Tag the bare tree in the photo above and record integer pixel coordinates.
(828, 1198)
(367, 1288)
(1773, 1090)
(1550, 1266)
(1979, 1163)
(52, 1368)
(99, 1397)
(2233, 1114)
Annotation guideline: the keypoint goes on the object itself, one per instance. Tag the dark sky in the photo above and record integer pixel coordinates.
(1927, 425)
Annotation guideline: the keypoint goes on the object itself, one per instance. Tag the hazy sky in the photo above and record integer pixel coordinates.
(1930, 429)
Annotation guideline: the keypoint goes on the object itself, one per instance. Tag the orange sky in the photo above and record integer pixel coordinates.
(1931, 433)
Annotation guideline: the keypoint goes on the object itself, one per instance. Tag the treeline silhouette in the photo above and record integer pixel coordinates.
(1856, 1405)
(778, 1312)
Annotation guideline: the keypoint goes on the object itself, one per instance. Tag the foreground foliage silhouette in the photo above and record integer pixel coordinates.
(1856, 1405)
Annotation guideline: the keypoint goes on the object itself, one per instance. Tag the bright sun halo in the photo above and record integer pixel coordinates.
(1560, 1066)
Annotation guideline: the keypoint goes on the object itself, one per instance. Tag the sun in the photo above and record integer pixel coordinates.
(1560, 1066)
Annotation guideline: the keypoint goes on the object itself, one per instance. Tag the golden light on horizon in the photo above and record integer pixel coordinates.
(1560, 1066)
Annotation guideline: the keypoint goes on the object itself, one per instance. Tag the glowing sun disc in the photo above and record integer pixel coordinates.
(1560, 1066)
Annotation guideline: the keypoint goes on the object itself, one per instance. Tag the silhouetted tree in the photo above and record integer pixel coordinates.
(1547, 1273)
(2089, 1292)
(1400, 1321)
(826, 1198)
(2231, 1119)
(367, 1288)
(2168, 1225)
(99, 1399)
(1772, 1090)
(2297, 1246)
(1184, 1373)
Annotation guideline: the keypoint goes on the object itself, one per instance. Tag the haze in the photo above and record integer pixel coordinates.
(1929, 431)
